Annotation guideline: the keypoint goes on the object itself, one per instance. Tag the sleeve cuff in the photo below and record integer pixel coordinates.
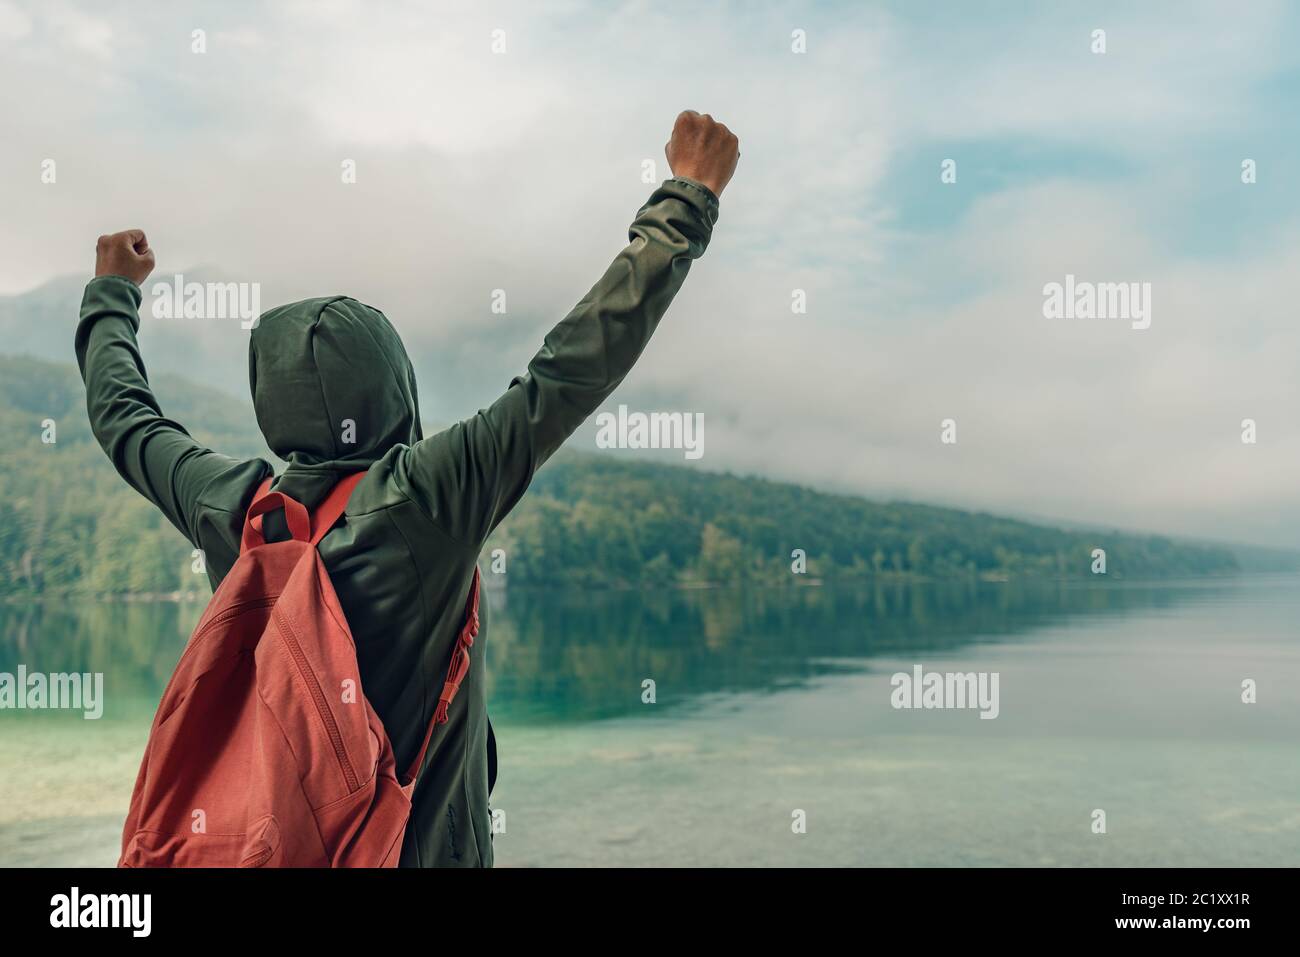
(114, 285)
(696, 194)
(710, 195)
(111, 295)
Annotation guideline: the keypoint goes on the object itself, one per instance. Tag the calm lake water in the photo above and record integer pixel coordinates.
(1115, 696)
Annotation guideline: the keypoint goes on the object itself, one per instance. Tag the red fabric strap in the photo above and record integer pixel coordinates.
(456, 672)
(328, 511)
(264, 500)
(301, 526)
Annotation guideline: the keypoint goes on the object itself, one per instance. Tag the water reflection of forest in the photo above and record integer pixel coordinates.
(582, 655)
(573, 655)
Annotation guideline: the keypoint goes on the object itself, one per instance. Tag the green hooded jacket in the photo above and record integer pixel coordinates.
(402, 560)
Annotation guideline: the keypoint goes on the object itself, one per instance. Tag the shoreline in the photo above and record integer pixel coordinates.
(181, 598)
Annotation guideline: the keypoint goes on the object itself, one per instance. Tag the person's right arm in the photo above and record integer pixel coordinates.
(469, 476)
(155, 454)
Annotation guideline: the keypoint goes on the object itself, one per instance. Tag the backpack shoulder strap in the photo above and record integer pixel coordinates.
(263, 488)
(455, 674)
(328, 511)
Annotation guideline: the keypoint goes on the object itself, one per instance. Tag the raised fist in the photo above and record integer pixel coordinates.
(703, 149)
(125, 254)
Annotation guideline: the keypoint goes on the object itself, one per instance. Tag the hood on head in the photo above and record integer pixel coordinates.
(326, 371)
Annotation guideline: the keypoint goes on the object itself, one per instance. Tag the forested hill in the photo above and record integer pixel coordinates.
(69, 525)
(596, 520)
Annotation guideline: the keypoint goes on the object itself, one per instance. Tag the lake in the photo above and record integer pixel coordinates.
(775, 704)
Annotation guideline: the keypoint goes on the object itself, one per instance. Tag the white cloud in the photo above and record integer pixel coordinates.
(14, 23)
(478, 171)
(77, 31)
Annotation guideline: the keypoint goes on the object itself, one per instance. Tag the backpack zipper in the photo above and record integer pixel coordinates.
(285, 631)
(233, 611)
(236, 609)
(300, 660)
(258, 859)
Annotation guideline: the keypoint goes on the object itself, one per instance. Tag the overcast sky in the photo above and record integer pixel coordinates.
(520, 171)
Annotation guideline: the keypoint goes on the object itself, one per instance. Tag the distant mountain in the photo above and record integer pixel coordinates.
(41, 323)
(68, 524)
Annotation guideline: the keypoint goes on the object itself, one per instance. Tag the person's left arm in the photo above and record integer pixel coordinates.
(155, 455)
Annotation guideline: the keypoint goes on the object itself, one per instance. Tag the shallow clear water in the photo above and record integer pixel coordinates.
(1115, 696)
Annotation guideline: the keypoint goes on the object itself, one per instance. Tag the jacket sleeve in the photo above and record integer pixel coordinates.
(155, 455)
(471, 475)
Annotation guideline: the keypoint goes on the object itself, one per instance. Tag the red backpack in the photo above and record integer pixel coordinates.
(264, 751)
